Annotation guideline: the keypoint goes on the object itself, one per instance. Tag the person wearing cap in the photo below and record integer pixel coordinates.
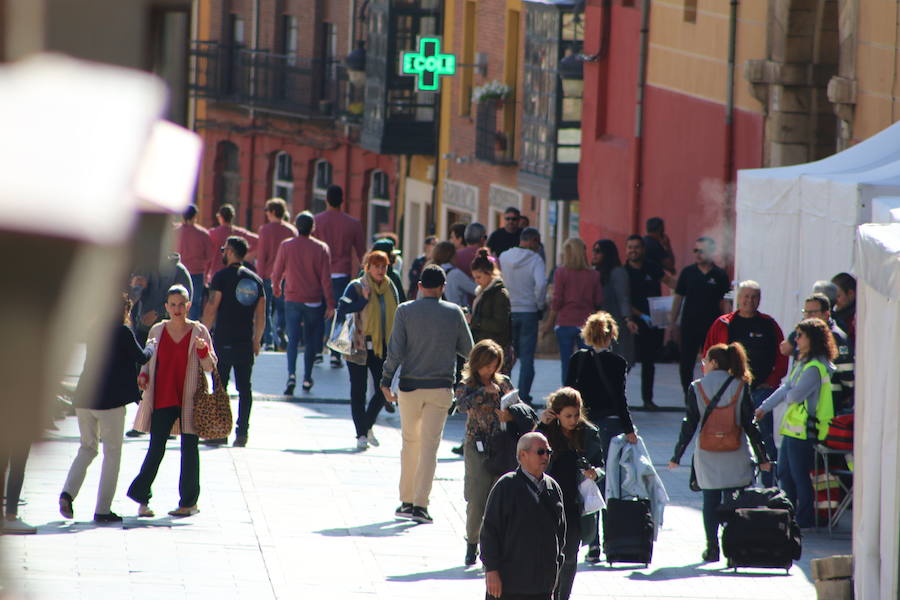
(196, 249)
(303, 263)
(386, 245)
(428, 335)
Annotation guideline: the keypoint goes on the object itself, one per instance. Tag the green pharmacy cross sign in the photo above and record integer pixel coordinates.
(428, 64)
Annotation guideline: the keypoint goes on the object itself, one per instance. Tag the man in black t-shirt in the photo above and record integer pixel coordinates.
(644, 278)
(657, 246)
(507, 236)
(235, 312)
(698, 297)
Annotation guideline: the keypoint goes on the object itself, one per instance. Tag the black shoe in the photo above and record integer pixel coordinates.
(420, 515)
(336, 362)
(240, 441)
(389, 407)
(319, 359)
(593, 555)
(404, 511)
(291, 384)
(109, 517)
(307, 385)
(133, 433)
(711, 554)
(471, 554)
(651, 405)
(458, 450)
(215, 442)
(65, 506)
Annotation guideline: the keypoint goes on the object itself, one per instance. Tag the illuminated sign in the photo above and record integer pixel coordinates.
(428, 64)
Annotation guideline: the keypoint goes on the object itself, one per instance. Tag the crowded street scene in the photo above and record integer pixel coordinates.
(410, 298)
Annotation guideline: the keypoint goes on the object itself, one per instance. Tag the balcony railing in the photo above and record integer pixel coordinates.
(492, 144)
(284, 83)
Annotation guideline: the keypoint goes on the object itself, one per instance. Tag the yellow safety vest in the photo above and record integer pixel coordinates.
(793, 424)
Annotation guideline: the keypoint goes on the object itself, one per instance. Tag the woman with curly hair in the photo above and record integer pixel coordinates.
(808, 393)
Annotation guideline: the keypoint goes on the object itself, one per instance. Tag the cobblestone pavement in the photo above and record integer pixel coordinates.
(300, 513)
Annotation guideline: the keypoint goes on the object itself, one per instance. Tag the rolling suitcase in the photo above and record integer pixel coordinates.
(761, 537)
(628, 531)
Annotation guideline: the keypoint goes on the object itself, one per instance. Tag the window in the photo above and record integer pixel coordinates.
(321, 181)
(379, 219)
(283, 177)
(329, 59)
(234, 37)
(227, 176)
(690, 11)
(289, 39)
(468, 57)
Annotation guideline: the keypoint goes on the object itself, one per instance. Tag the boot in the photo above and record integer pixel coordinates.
(711, 554)
(471, 554)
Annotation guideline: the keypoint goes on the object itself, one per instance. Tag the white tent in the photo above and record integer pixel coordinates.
(797, 224)
(876, 489)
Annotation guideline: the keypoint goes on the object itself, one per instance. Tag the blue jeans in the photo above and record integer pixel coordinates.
(524, 334)
(767, 429)
(797, 459)
(199, 283)
(568, 337)
(274, 314)
(711, 501)
(313, 321)
(338, 285)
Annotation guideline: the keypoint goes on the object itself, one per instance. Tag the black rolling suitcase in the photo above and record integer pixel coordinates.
(627, 531)
(760, 530)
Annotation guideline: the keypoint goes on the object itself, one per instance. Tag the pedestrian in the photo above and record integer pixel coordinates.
(805, 423)
(196, 250)
(275, 231)
(699, 299)
(236, 315)
(149, 287)
(478, 396)
(101, 416)
(760, 336)
(524, 529)
(169, 382)
(226, 229)
(721, 469)
(476, 238)
(458, 235)
(657, 244)
(13, 459)
(460, 287)
(491, 318)
(818, 306)
(346, 242)
(304, 263)
(415, 268)
(576, 294)
(616, 290)
(506, 237)
(388, 246)
(372, 300)
(428, 335)
(577, 454)
(845, 304)
(644, 277)
(524, 274)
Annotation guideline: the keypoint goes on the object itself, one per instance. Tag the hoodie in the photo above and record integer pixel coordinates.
(524, 275)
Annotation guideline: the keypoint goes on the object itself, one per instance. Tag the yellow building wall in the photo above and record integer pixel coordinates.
(877, 66)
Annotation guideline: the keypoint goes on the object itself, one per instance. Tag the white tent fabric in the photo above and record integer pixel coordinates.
(797, 224)
(876, 489)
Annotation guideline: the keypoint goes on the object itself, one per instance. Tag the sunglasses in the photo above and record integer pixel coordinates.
(511, 218)
(543, 451)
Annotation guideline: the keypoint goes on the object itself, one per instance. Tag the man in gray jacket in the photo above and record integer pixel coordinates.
(428, 334)
(525, 277)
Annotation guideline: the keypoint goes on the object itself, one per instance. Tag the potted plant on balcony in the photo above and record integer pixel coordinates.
(492, 91)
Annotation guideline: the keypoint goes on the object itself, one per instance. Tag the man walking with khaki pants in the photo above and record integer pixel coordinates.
(428, 335)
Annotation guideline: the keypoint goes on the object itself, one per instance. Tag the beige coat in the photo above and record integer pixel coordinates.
(191, 378)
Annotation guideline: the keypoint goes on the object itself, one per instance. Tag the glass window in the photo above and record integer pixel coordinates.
(290, 34)
(379, 218)
(227, 179)
(283, 177)
(321, 181)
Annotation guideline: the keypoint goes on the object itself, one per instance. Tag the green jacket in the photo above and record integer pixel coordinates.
(491, 315)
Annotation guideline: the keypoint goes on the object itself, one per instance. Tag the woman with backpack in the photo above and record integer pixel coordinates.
(719, 406)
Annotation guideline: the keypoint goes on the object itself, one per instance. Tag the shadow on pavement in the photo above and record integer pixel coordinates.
(323, 451)
(452, 573)
(382, 529)
(67, 527)
(693, 570)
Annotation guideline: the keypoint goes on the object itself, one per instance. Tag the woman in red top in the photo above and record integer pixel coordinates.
(169, 382)
(577, 293)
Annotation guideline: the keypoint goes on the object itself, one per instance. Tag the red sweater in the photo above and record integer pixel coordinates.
(219, 234)
(195, 247)
(345, 239)
(305, 265)
(463, 258)
(576, 295)
(270, 237)
(718, 334)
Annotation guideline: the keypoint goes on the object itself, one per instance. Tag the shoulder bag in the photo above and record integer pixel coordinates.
(212, 410)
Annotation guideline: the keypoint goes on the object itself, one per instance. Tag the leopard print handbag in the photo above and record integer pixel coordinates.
(212, 410)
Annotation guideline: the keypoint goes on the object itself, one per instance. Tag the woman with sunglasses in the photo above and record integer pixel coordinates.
(720, 472)
(807, 391)
(577, 452)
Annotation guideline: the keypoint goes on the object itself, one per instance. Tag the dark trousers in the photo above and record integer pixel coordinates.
(338, 285)
(796, 462)
(199, 282)
(546, 596)
(767, 430)
(691, 344)
(161, 422)
(275, 326)
(711, 501)
(12, 469)
(364, 416)
(648, 342)
(240, 358)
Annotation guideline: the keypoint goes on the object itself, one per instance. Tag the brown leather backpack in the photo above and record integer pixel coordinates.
(719, 431)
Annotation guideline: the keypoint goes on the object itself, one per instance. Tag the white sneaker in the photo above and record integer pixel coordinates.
(373, 441)
(362, 443)
(16, 526)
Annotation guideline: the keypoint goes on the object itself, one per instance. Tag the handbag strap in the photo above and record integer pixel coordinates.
(715, 399)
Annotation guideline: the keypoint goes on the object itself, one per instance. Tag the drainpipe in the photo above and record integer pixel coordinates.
(639, 118)
(729, 95)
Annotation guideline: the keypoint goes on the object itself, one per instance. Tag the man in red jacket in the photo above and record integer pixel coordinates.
(761, 336)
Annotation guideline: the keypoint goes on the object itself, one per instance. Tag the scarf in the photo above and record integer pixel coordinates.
(379, 313)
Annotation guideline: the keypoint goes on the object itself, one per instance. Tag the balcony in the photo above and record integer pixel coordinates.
(301, 87)
(492, 144)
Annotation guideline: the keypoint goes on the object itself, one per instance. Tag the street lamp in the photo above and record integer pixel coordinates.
(356, 65)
